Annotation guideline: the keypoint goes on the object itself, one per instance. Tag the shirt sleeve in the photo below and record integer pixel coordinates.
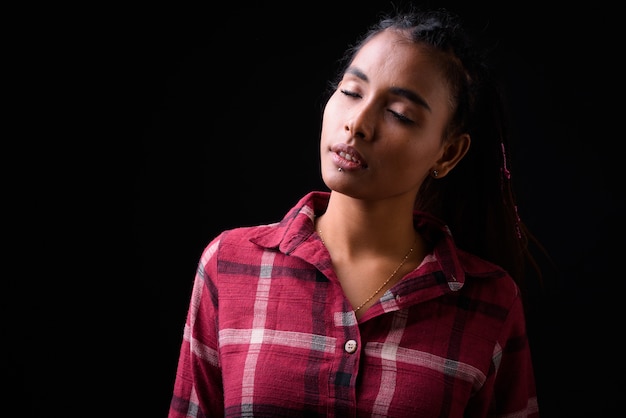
(198, 390)
(510, 386)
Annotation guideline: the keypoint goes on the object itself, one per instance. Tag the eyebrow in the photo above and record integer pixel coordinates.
(399, 91)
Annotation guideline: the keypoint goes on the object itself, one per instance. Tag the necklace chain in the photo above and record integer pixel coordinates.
(406, 257)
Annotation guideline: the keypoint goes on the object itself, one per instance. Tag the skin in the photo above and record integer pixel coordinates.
(389, 113)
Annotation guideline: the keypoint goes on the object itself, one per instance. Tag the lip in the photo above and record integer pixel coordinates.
(347, 157)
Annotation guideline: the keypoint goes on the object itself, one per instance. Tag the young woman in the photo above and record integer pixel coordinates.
(397, 293)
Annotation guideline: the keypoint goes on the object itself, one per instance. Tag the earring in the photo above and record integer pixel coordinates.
(435, 173)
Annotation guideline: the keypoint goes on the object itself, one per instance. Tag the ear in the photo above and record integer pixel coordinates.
(453, 151)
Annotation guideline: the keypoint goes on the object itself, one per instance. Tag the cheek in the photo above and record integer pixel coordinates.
(332, 111)
(415, 159)
(330, 121)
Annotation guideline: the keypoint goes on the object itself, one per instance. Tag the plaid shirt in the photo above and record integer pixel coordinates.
(270, 333)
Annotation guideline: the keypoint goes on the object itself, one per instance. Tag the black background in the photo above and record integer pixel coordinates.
(193, 121)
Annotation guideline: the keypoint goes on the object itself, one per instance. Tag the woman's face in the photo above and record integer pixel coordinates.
(382, 129)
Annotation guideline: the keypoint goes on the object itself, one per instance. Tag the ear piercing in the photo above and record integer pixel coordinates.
(435, 173)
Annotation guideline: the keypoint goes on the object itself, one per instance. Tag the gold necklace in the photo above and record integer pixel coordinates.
(406, 257)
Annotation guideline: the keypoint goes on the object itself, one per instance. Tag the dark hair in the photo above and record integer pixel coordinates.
(476, 198)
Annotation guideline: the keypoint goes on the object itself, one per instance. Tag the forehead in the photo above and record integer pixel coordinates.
(391, 61)
(391, 54)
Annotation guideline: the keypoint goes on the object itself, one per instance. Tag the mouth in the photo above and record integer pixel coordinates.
(347, 158)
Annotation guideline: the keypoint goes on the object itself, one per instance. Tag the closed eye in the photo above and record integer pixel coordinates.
(400, 116)
(350, 93)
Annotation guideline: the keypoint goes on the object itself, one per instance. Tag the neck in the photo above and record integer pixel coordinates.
(354, 228)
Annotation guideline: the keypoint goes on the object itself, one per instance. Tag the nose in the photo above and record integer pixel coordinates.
(361, 125)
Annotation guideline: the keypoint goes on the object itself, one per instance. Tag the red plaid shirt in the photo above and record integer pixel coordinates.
(270, 333)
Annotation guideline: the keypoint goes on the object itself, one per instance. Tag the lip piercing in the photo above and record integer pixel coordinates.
(339, 169)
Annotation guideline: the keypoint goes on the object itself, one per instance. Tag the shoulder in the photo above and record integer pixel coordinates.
(479, 267)
(233, 251)
(488, 280)
(459, 266)
(240, 237)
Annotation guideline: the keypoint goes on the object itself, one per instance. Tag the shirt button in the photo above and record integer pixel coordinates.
(350, 346)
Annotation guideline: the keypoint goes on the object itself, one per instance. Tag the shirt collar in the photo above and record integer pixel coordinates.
(298, 226)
